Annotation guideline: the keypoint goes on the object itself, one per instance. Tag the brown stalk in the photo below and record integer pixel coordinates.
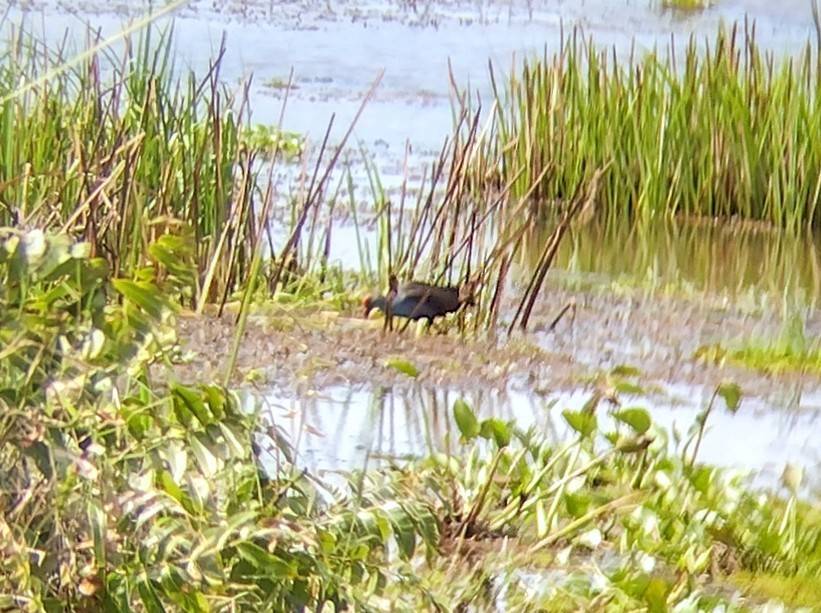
(523, 312)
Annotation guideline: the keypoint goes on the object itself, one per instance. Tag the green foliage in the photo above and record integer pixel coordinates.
(142, 159)
(617, 516)
(722, 132)
(119, 494)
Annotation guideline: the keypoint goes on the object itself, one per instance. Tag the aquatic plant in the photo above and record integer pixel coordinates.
(722, 129)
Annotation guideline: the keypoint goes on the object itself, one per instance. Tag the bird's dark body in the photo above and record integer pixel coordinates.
(414, 300)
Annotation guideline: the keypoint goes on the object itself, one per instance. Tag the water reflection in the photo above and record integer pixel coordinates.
(345, 429)
(706, 257)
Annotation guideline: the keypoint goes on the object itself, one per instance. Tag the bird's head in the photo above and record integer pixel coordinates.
(367, 306)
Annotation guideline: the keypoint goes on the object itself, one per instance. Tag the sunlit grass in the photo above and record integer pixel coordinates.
(723, 129)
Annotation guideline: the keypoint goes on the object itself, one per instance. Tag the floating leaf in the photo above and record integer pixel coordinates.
(402, 366)
(626, 387)
(466, 420)
(635, 417)
(731, 392)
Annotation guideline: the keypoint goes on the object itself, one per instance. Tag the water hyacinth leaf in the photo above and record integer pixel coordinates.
(497, 430)
(635, 417)
(583, 422)
(576, 504)
(626, 387)
(402, 366)
(731, 392)
(466, 420)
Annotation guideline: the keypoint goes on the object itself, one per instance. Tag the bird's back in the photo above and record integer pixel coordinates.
(418, 300)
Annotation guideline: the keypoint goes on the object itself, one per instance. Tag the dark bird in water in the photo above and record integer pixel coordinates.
(414, 300)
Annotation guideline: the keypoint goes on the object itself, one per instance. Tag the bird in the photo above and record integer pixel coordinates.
(414, 300)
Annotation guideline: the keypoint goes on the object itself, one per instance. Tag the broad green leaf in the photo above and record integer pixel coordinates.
(497, 430)
(626, 387)
(149, 597)
(655, 595)
(192, 400)
(465, 420)
(583, 422)
(404, 531)
(635, 417)
(576, 503)
(145, 295)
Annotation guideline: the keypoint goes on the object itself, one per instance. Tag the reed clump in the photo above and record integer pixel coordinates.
(722, 129)
(115, 148)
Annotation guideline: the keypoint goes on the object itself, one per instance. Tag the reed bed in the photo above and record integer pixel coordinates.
(722, 129)
(120, 152)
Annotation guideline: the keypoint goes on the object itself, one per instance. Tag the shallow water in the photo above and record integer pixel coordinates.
(345, 429)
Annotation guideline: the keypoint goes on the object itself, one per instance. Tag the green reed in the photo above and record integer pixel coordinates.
(723, 129)
(117, 150)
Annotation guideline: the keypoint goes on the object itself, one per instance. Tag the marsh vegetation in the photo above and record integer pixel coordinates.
(133, 198)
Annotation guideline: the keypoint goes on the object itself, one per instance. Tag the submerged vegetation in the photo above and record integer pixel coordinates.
(127, 196)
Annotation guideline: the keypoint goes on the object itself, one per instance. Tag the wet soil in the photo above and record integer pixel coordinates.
(310, 348)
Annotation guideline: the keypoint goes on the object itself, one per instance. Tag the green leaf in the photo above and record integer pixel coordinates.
(583, 422)
(206, 460)
(266, 562)
(656, 595)
(402, 366)
(623, 370)
(731, 392)
(635, 417)
(497, 430)
(466, 420)
(192, 400)
(576, 504)
(626, 387)
(151, 601)
(404, 532)
(145, 295)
